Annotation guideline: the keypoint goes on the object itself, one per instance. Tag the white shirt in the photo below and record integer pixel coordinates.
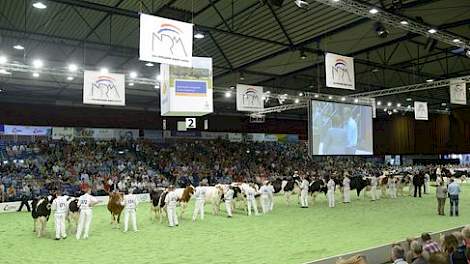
(265, 191)
(86, 201)
(60, 204)
(229, 195)
(171, 199)
(250, 193)
(331, 185)
(130, 201)
(304, 185)
(200, 193)
(346, 183)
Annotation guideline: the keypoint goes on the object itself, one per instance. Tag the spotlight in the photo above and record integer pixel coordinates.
(228, 94)
(330, 97)
(131, 84)
(38, 63)
(5, 72)
(301, 94)
(18, 47)
(432, 30)
(149, 64)
(69, 78)
(398, 105)
(456, 41)
(343, 99)
(409, 99)
(430, 80)
(39, 5)
(104, 71)
(356, 100)
(3, 59)
(443, 104)
(373, 11)
(303, 56)
(35, 75)
(233, 88)
(133, 74)
(389, 104)
(389, 112)
(409, 107)
(381, 31)
(297, 101)
(379, 103)
(316, 96)
(199, 35)
(404, 22)
(73, 67)
(268, 92)
(385, 109)
(467, 53)
(395, 110)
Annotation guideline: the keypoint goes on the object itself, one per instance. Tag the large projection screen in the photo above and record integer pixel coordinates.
(340, 129)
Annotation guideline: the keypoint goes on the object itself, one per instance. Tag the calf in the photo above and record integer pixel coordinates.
(41, 210)
(115, 207)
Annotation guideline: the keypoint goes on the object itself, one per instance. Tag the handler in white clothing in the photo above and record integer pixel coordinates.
(304, 192)
(392, 187)
(331, 193)
(170, 200)
(346, 189)
(200, 195)
(85, 203)
(265, 194)
(61, 206)
(373, 188)
(130, 205)
(228, 196)
(271, 196)
(251, 200)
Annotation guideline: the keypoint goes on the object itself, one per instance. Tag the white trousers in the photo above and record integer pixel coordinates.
(265, 205)
(198, 209)
(347, 195)
(130, 213)
(271, 202)
(172, 218)
(304, 198)
(228, 207)
(392, 192)
(373, 193)
(250, 204)
(84, 223)
(331, 198)
(60, 226)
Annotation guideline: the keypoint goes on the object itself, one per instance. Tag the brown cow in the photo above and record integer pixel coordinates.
(115, 206)
(184, 198)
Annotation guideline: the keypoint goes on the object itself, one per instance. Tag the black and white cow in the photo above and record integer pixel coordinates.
(359, 183)
(287, 186)
(157, 197)
(41, 210)
(73, 214)
(317, 186)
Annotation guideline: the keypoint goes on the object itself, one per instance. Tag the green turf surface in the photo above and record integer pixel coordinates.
(287, 235)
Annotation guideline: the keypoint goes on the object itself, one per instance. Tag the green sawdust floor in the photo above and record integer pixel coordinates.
(287, 235)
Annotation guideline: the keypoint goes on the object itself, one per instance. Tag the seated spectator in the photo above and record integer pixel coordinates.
(2, 193)
(417, 250)
(466, 238)
(429, 245)
(438, 258)
(11, 193)
(398, 255)
(450, 246)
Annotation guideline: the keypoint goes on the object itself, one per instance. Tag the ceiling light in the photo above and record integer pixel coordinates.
(356, 100)
(443, 104)
(38, 63)
(316, 96)
(18, 47)
(409, 107)
(398, 105)
(228, 94)
(133, 74)
(35, 74)
(389, 104)
(303, 56)
(199, 35)
(389, 112)
(432, 30)
(335, 1)
(156, 86)
(149, 64)
(385, 109)
(330, 97)
(395, 110)
(343, 99)
(409, 99)
(301, 94)
(5, 72)
(430, 80)
(375, 70)
(381, 31)
(456, 40)
(297, 101)
(70, 78)
(379, 103)
(373, 11)
(404, 22)
(73, 67)
(268, 92)
(467, 53)
(104, 71)
(39, 5)
(3, 59)
(131, 84)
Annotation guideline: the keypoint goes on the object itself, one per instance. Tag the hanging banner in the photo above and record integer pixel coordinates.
(249, 98)
(458, 92)
(166, 41)
(421, 110)
(26, 130)
(187, 91)
(104, 89)
(65, 133)
(339, 71)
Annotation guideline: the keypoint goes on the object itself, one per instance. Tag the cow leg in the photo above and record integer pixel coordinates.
(287, 195)
(119, 218)
(34, 225)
